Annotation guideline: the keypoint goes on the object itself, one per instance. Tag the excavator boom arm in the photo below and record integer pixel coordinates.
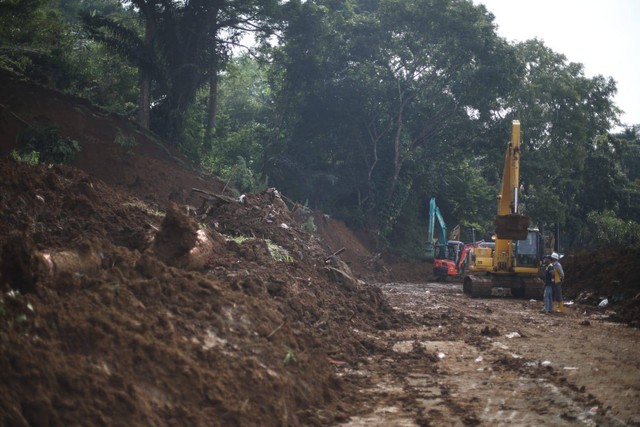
(434, 214)
(510, 225)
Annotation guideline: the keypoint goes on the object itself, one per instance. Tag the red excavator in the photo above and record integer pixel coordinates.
(451, 262)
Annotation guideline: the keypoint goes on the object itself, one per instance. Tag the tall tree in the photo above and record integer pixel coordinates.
(564, 115)
(376, 86)
(184, 47)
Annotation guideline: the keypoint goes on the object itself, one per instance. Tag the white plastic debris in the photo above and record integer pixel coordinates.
(479, 359)
(242, 198)
(285, 226)
(513, 335)
(499, 345)
(603, 303)
(441, 355)
(568, 303)
(570, 368)
(546, 363)
(39, 197)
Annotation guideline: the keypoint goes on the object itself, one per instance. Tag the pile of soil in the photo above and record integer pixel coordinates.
(609, 280)
(115, 313)
(137, 291)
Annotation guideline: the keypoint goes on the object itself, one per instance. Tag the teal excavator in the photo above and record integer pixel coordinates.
(445, 254)
(436, 239)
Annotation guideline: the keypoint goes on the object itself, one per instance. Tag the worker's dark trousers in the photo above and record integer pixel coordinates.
(548, 299)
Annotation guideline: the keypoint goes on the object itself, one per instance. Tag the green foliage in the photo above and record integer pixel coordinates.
(567, 165)
(15, 315)
(49, 144)
(179, 51)
(372, 96)
(605, 229)
(278, 253)
(410, 231)
(104, 79)
(310, 225)
(34, 39)
(43, 41)
(289, 357)
(127, 142)
(241, 178)
(28, 157)
(243, 125)
(21, 319)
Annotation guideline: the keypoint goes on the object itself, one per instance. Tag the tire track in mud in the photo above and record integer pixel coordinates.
(456, 365)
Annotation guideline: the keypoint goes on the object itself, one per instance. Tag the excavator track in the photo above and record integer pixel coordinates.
(477, 286)
(482, 286)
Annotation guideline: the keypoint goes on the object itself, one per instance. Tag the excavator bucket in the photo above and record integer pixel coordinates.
(512, 227)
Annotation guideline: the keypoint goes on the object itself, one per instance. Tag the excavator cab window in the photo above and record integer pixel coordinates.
(454, 248)
(527, 250)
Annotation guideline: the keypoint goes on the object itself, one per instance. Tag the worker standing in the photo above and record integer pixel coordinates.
(558, 277)
(548, 285)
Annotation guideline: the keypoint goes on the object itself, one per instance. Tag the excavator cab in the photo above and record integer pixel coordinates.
(445, 264)
(527, 251)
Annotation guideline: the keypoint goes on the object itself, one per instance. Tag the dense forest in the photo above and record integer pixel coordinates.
(363, 109)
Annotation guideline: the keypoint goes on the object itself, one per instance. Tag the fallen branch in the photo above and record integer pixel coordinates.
(276, 329)
(20, 119)
(333, 255)
(223, 198)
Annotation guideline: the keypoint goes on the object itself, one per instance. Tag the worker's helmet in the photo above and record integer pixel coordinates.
(555, 256)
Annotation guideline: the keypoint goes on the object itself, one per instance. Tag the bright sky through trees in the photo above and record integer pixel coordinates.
(602, 35)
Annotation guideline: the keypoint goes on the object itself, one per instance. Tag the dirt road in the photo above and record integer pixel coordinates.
(498, 361)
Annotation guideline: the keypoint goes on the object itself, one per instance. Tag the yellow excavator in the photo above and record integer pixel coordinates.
(510, 267)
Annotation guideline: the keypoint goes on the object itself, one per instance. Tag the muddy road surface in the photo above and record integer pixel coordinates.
(498, 361)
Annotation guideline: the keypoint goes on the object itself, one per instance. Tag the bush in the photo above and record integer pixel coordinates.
(606, 229)
(241, 178)
(127, 143)
(47, 142)
(30, 158)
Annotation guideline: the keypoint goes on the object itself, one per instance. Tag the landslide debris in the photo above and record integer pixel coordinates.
(117, 311)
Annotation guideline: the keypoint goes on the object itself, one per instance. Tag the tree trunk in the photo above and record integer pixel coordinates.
(144, 107)
(213, 85)
(213, 106)
(398, 157)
